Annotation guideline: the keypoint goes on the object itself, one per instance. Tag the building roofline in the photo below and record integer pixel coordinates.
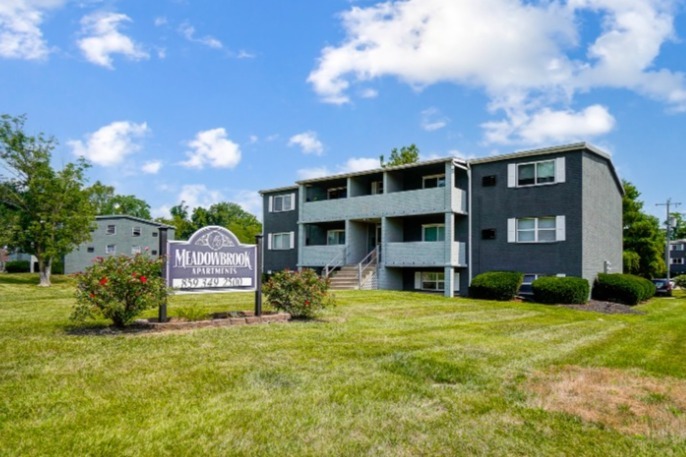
(382, 169)
(581, 146)
(133, 218)
(277, 189)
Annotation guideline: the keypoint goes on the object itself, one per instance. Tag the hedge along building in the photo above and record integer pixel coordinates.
(117, 235)
(434, 225)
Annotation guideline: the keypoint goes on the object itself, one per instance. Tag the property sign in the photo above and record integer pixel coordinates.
(212, 258)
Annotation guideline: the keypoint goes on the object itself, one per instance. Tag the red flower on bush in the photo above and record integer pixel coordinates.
(143, 279)
(103, 281)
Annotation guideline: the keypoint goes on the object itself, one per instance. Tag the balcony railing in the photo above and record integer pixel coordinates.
(425, 254)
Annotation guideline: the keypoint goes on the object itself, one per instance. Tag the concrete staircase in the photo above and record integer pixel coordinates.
(346, 279)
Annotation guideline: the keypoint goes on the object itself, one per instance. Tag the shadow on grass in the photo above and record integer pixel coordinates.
(30, 279)
(103, 329)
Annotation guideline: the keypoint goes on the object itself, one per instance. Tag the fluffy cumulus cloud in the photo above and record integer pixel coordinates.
(530, 57)
(212, 148)
(352, 165)
(308, 143)
(102, 38)
(152, 167)
(110, 144)
(433, 120)
(20, 33)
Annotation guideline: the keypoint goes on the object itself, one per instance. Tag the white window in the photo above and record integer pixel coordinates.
(536, 173)
(110, 249)
(135, 250)
(677, 260)
(278, 203)
(433, 232)
(136, 231)
(434, 280)
(429, 182)
(334, 237)
(536, 229)
(281, 241)
(335, 193)
(111, 230)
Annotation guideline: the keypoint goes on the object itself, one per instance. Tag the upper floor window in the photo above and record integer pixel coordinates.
(111, 230)
(677, 260)
(536, 173)
(279, 203)
(280, 241)
(135, 250)
(536, 229)
(334, 237)
(110, 249)
(337, 192)
(488, 181)
(136, 231)
(433, 232)
(429, 182)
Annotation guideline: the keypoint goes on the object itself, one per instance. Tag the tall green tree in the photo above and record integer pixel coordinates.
(678, 227)
(406, 154)
(47, 212)
(106, 202)
(229, 215)
(644, 241)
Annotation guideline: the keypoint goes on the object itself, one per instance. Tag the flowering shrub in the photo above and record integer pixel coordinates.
(302, 294)
(119, 288)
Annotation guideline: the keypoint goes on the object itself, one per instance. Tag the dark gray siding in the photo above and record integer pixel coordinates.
(602, 217)
(280, 222)
(492, 207)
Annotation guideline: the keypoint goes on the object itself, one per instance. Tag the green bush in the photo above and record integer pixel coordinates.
(18, 266)
(119, 288)
(302, 294)
(622, 288)
(566, 290)
(680, 281)
(496, 285)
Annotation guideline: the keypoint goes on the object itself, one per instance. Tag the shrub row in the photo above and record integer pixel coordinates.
(567, 290)
(622, 288)
(18, 266)
(496, 285)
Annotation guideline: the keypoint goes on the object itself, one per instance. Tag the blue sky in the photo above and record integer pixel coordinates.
(207, 101)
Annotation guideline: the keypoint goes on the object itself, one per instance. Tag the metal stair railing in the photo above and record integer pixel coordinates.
(365, 263)
(336, 262)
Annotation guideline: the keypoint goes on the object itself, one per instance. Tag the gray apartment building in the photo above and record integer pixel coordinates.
(434, 225)
(677, 258)
(117, 235)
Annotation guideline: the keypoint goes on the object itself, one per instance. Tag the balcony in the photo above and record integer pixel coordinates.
(320, 256)
(406, 203)
(424, 254)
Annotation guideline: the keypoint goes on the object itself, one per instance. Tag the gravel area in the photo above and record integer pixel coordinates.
(605, 307)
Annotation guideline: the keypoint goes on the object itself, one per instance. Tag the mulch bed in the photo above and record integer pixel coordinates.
(605, 307)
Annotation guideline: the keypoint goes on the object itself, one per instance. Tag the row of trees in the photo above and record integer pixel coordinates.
(47, 212)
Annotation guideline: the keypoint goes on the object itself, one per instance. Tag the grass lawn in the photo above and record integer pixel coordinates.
(382, 374)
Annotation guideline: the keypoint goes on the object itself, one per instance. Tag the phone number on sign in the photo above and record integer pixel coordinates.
(202, 283)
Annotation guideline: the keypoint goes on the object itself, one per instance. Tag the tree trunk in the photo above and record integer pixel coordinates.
(44, 268)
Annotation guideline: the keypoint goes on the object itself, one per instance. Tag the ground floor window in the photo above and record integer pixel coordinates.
(433, 280)
(281, 241)
(135, 250)
(334, 237)
(110, 249)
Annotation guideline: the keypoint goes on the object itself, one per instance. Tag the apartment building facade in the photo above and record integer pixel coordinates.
(677, 258)
(434, 225)
(117, 235)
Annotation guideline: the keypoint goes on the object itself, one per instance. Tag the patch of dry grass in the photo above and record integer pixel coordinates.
(622, 400)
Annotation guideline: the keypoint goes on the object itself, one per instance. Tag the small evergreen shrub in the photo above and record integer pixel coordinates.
(301, 294)
(622, 288)
(18, 266)
(496, 285)
(119, 288)
(565, 290)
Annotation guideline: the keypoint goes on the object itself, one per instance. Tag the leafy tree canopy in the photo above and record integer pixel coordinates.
(678, 227)
(44, 212)
(644, 241)
(406, 154)
(230, 215)
(107, 202)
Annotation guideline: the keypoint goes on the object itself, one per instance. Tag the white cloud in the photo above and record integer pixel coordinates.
(198, 195)
(431, 119)
(250, 201)
(308, 143)
(160, 21)
(552, 126)
(213, 148)
(102, 38)
(110, 144)
(152, 167)
(20, 33)
(312, 173)
(526, 56)
(188, 32)
(352, 165)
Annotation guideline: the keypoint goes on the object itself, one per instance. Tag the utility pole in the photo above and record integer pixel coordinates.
(668, 204)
